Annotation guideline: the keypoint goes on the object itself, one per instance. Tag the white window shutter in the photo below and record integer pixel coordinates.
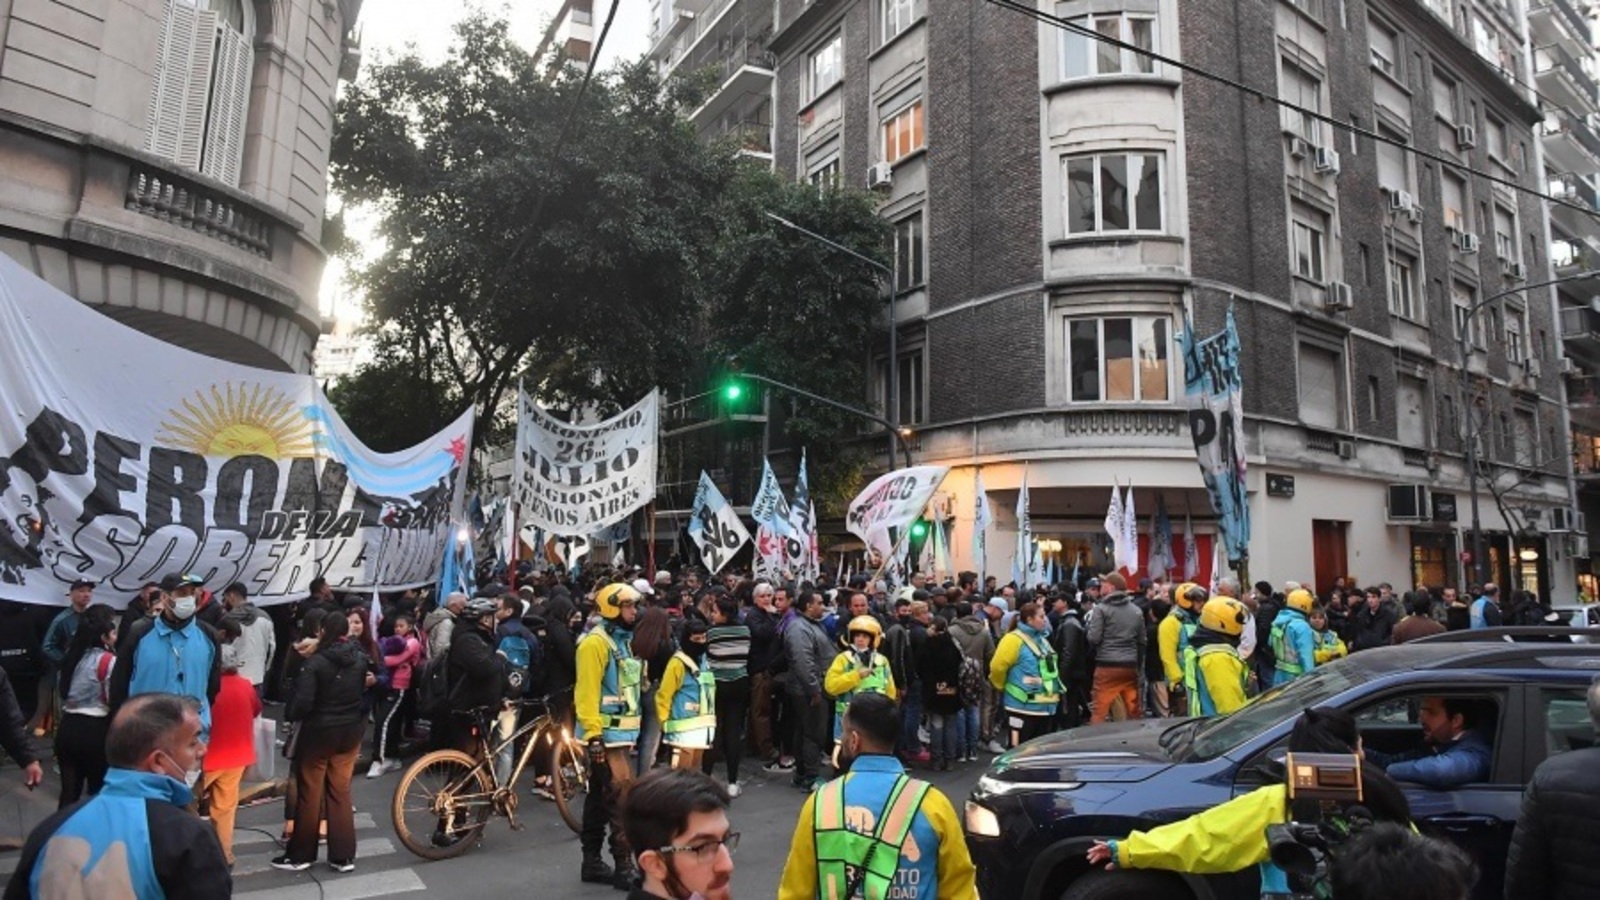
(175, 124)
(197, 90)
(230, 100)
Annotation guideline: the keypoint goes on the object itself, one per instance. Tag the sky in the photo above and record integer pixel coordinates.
(388, 27)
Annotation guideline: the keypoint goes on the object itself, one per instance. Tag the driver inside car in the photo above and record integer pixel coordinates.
(1454, 751)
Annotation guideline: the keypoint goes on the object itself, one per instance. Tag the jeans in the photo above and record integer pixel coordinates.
(944, 735)
(649, 733)
(967, 731)
(911, 710)
(504, 725)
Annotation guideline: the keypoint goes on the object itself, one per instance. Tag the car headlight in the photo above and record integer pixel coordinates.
(989, 786)
(981, 821)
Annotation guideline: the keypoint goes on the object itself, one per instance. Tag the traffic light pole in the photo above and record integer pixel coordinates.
(895, 435)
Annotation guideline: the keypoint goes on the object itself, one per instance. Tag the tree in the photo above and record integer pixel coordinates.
(396, 399)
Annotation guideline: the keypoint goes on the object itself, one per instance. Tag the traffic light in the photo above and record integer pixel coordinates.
(919, 530)
(732, 391)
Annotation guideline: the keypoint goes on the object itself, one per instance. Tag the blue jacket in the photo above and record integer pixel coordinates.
(1294, 646)
(157, 658)
(134, 838)
(1465, 761)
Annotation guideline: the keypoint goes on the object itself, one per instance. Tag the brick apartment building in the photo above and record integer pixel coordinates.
(1060, 204)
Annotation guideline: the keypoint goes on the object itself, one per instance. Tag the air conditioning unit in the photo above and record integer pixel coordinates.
(1408, 503)
(1415, 214)
(1568, 366)
(1466, 136)
(1561, 520)
(1513, 269)
(1531, 367)
(1339, 298)
(1299, 147)
(1345, 449)
(1467, 242)
(880, 177)
(1327, 161)
(1402, 201)
(1578, 545)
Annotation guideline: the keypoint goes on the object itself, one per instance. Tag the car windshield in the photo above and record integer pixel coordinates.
(1277, 705)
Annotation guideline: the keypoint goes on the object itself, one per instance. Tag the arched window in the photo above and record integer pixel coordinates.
(202, 86)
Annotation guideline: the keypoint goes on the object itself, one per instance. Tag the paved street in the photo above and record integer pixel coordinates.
(542, 859)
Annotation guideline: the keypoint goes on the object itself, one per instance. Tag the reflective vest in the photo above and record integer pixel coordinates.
(1186, 653)
(876, 683)
(1038, 662)
(1475, 617)
(692, 720)
(619, 693)
(1285, 649)
(1208, 707)
(856, 863)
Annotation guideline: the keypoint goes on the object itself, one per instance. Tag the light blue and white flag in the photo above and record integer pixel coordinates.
(1213, 391)
(982, 518)
(714, 527)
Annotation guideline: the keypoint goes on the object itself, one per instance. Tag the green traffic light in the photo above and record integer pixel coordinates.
(733, 391)
(919, 529)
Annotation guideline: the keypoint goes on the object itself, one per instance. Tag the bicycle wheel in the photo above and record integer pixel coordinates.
(442, 804)
(569, 780)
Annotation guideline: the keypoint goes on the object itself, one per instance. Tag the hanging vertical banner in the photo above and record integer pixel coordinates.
(1113, 525)
(1191, 550)
(1213, 391)
(1023, 560)
(1128, 547)
(800, 544)
(714, 527)
(579, 479)
(124, 459)
(982, 518)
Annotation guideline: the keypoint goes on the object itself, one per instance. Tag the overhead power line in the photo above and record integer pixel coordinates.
(1067, 25)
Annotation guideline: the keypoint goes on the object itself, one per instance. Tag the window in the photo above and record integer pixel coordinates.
(1566, 720)
(1123, 359)
(1516, 336)
(1113, 193)
(201, 88)
(1453, 201)
(1322, 386)
(1385, 46)
(823, 170)
(1403, 288)
(1084, 57)
(910, 252)
(909, 387)
(1444, 97)
(1394, 166)
(826, 66)
(1302, 89)
(1461, 301)
(898, 16)
(1310, 237)
(1374, 410)
(1505, 235)
(1485, 40)
(903, 133)
(1494, 134)
(1410, 410)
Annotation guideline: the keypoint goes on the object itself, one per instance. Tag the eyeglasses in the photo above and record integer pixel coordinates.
(706, 851)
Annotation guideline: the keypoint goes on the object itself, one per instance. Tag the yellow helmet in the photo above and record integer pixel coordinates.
(1181, 596)
(610, 598)
(1224, 615)
(865, 625)
(1300, 599)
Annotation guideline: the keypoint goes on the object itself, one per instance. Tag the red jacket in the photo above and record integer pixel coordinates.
(233, 716)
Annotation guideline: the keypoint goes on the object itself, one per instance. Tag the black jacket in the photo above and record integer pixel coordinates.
(1372, 629)
(330, 687)
(1072, 645)
(477, 676)
(13, 725)
(560, 649)
(764, 641)
(940, 671)
(1552, 849)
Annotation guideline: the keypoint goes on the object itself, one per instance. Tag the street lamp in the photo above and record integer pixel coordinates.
(1478, 563)
(890, 273)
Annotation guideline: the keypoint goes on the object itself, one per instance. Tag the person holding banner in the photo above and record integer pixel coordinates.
(607, 706)
(1026, 671)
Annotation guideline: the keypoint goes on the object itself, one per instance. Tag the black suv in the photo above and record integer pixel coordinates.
(1033, 816)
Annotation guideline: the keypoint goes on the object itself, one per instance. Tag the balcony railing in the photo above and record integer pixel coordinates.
(752, 137)
(1574, 21)
(1554, 57)
(1557, 122)
(189, 204)
(753, 54)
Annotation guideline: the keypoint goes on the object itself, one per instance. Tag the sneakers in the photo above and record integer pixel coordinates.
(376, 769)
(781, 764)
(342, 865)
(543, 793)
(287, 864)
(733, 789)
(392, 765)
(993, 747)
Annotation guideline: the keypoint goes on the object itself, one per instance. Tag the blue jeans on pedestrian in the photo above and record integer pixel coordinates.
(967, 731)
(911, 710)
(944, 734)
(649, 733)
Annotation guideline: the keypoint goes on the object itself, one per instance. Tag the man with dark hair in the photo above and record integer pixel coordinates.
(1454, 752)
(809, 653)
(927, 853)
(676, 821)
(1372, 623)
(171, 654)
(1389, 860)
(257, 642)
(1552, 849)
(134, 838)
(1418, 622)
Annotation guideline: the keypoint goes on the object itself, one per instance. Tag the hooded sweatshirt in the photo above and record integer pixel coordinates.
(329, 691)
(972, 635)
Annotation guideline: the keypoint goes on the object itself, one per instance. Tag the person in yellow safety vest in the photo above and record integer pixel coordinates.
(1214, 675)
(859, 670)
(686, 701)
(1329, 646)
(1026, 670)
(606, 704)
(1232, 836)
(1172, 635)
(1293, 647)
(875, 832)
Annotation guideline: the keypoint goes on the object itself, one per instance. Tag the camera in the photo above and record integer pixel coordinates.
(1325, 798)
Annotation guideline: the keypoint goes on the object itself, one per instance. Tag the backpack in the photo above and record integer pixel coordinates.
(432, 683)
(972, 681)
(519, 654)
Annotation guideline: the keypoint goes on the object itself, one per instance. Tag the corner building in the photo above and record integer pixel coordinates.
(166, 162)
(1059, 204)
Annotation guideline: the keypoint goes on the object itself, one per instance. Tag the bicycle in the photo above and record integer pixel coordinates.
(446, 798)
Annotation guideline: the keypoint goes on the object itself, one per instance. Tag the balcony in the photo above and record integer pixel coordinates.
(741, 75)
(1569, 143)
(754, 139)
(1558, 22)
(192, 205)
(1566, 256)
(1563, 79)
(677, 45)
(1572, 189)
(1586, 456)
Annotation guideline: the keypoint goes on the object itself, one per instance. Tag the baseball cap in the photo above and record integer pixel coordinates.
(643, 587)
(81, 583)
(999, 604)
(1092, 583)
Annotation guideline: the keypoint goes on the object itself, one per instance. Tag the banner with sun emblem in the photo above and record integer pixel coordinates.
(124, 459)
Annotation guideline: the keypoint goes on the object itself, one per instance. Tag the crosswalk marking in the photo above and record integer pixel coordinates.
(366, 848)
(241, 837)
(344, 887)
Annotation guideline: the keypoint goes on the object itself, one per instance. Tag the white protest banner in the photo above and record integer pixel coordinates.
(124, 459)
(769, 508)
(890, 503)
(580, 479)
(714, 526)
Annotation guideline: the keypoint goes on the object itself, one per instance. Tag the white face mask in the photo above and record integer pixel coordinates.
(190, 777)
(183, 608)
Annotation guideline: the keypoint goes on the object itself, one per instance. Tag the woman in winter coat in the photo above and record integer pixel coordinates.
(940, 671)
(85, 704)
(400, 652)
(326, 704)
